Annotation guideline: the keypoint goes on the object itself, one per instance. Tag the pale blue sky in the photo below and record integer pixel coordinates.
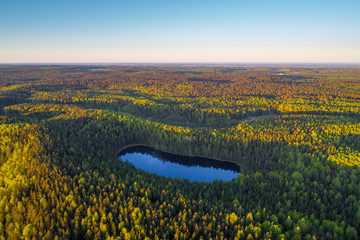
(179, 31)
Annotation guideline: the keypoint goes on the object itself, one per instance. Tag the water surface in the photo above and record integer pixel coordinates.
(170, 165)
(97, 69)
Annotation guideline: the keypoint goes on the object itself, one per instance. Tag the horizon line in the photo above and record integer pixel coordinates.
(175, 63)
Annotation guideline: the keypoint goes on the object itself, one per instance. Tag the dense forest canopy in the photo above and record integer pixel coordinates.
(294, 132)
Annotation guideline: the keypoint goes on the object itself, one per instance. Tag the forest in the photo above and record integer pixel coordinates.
(294, 131)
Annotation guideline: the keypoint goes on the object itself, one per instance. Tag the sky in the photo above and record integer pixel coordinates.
(217, 31)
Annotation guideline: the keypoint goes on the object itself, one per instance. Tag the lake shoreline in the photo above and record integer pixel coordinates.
(118, 151)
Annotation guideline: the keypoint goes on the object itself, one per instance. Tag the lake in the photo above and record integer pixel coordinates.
(97, 69)
(170, 165)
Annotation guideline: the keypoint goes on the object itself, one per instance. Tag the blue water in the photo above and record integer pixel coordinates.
(96, 69)
(176, 166)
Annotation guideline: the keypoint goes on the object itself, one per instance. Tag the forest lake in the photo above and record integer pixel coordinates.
(176, 166)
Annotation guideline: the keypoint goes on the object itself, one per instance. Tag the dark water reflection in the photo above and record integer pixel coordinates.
(171, 165)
